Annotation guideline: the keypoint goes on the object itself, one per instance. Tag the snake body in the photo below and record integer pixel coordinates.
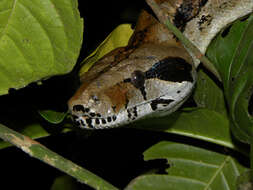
(154, 74)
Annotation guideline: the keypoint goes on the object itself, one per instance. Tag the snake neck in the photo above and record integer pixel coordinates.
(199, 20)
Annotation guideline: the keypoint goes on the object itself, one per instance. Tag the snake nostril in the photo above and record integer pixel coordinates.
(81, 108)
(78, 108)
(95, 98)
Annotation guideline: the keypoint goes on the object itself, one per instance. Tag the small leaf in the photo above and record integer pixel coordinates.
(27, 124)
(53, 116)
(38, 39)
(65, 183)
(117, 38)
(208, 95)
(190, 168)
(233, 57)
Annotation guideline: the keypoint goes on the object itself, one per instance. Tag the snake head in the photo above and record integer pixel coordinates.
(138, 86)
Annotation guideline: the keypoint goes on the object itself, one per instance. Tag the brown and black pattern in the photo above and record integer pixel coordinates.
(187, 11)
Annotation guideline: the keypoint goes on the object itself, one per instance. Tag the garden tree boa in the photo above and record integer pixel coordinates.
(154, 74)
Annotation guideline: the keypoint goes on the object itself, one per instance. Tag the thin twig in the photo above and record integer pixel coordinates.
(42, 153)
(162, 18)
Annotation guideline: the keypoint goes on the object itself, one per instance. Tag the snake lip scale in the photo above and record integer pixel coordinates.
(154, 74)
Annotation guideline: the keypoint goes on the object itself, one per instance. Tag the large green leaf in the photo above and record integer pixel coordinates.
(38, 39)
(233, 57)
(200, 124)
(189, 168)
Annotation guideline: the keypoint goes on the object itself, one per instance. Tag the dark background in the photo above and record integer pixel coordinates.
(115, 155)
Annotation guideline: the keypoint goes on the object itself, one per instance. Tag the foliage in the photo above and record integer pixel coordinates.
(43, 36)
(41, 39)
(235, 65)
(189, 168)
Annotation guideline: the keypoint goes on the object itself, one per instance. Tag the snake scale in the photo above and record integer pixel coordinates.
(154, 74)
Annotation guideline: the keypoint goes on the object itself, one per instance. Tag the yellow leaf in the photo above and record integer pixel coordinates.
(117, 38)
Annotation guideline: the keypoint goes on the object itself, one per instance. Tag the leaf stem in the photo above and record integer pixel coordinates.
(162, 18)
(42, 153)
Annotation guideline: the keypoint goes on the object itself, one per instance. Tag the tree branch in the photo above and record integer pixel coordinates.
(36, 150)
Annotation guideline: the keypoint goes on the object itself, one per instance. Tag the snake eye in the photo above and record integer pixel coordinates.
(138, 78)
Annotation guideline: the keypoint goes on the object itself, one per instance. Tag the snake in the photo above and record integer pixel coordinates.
(154, 74)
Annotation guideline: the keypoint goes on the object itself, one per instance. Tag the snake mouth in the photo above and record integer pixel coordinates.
(85, 118)
(94, 122)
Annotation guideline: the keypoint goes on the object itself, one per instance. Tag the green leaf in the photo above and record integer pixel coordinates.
(233, 57)
(28, 124)
(38, 39)
(201, 124)
(189, 168)
(52, 116)
(208, 94)
(117, 38)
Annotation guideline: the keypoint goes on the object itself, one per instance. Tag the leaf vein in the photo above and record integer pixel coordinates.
(219, 170)
(43, 29)
(195, 181)
(8, 21)
(195, 162)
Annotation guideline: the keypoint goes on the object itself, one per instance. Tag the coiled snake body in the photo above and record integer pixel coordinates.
(154, 74)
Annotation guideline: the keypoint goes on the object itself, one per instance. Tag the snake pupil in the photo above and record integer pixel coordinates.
(138, 79)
